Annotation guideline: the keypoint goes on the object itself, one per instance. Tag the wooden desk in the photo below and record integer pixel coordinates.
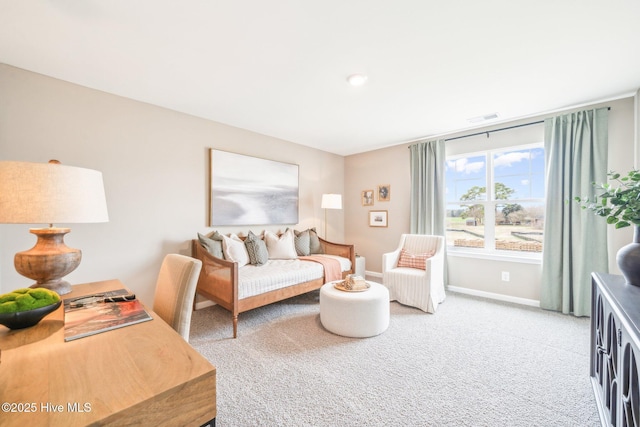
(143, 374)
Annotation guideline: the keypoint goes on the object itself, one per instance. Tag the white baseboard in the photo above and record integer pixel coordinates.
(491, 295)
(474, 292)
(204, 304)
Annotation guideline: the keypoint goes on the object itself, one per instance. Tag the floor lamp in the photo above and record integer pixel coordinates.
(330, 201)
(48, 193)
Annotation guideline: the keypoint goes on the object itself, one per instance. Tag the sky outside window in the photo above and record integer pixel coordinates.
(464, 173)
(522, 171)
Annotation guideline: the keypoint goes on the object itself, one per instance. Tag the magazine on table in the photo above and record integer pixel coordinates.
(93, 314)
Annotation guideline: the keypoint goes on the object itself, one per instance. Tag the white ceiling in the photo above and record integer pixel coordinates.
(279, 67)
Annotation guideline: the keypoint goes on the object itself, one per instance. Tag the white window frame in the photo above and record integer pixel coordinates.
(489, 251)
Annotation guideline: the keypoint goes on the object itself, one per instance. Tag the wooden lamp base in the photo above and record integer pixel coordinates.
(49, 260)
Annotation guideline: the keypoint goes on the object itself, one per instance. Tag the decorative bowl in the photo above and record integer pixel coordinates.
(25, 319)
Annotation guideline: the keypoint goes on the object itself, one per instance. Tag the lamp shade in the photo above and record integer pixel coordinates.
(48, 193)
(331, 201)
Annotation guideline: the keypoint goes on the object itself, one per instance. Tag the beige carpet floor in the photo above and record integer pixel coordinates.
(475, 362)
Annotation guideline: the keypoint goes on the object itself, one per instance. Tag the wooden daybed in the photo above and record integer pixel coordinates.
(219, 280)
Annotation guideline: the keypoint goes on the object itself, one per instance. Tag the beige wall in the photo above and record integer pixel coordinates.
(475, 275)
(367, 171)
(155, 167)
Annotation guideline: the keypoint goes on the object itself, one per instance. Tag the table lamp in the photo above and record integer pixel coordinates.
(330, 201)
(48, 193)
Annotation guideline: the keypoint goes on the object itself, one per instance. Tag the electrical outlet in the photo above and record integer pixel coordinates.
(505, 276)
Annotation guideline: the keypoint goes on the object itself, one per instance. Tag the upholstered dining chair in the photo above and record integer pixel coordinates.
(414, 272)
(176, 291)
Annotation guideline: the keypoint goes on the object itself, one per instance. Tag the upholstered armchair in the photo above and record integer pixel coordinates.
(414, 273)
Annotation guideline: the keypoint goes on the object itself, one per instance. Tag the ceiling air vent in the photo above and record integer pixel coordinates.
(484, 118)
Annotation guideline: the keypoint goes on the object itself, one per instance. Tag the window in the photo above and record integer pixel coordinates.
(495, 200)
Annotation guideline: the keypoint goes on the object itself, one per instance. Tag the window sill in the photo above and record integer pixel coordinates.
(521, 257)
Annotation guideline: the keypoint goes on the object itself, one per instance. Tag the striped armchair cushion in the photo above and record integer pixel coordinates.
(419, 261)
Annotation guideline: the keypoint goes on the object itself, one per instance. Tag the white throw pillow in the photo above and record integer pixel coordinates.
(235, 250)
(282, 247)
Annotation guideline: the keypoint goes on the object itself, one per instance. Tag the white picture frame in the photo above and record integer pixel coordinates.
(378, 219)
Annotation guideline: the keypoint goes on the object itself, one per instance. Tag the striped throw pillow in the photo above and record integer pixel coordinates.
(419, 261)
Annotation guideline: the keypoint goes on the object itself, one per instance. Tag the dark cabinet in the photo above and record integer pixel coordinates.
(615, 348)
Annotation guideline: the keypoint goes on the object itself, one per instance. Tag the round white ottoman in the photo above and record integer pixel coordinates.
(355, 314)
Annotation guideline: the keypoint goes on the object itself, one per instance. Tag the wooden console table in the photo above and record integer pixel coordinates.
(143, 374)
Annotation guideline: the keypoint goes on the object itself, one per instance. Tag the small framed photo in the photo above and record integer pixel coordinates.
(367, 198)
(378, 219)
(384, 193)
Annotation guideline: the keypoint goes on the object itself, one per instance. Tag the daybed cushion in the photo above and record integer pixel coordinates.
(280, 273)
(276, 274)
(345, 263)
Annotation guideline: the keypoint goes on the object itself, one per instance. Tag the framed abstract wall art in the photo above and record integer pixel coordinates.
(248, 190)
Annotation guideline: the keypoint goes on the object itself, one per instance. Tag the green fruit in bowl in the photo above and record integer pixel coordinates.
(27, 299)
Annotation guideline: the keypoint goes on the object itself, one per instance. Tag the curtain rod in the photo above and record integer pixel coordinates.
(487, 132)
(495, 130)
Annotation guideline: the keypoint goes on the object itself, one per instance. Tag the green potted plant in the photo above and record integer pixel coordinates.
(619, 203)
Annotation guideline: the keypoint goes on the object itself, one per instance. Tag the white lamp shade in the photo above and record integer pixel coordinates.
(48, 193)
(331, 201)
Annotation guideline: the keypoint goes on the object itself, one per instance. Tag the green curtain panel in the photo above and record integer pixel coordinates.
(428, 202)
(575, 240)
(427, 187)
